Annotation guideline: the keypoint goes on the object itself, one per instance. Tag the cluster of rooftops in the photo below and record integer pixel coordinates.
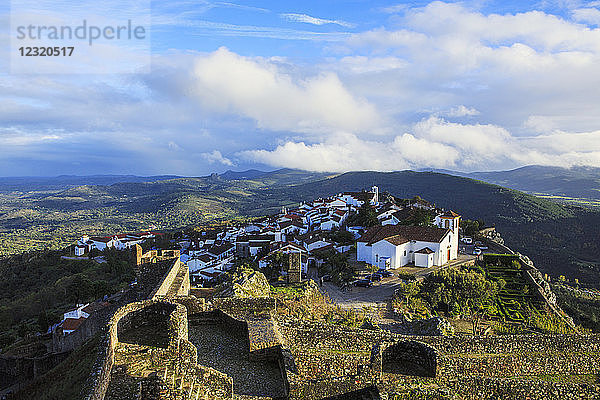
(304, 229)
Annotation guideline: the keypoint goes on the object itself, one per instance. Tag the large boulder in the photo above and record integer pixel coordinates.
(245, 283)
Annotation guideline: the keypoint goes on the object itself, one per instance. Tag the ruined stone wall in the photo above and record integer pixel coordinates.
(519, 364)
(167, 281)
(321, 365)
(186, 286)
(98, 382)
(320, 336)
(246, 307)
(514, 343)
(150, 276)
(492, 356)
(406, 357)
(328, 336)
(492, 389)
(193, 304)
(22, 369)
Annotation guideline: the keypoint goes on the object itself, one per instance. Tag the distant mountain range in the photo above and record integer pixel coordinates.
(577, 182)
(39, 183)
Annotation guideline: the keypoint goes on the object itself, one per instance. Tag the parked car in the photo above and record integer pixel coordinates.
(483, 247)
(478, 243)
(326, 278)
(384, 273)
(375, 277)
(467, 240)
(363, 283)
(476, 251)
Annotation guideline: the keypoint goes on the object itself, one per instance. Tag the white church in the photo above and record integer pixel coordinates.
(394, 246)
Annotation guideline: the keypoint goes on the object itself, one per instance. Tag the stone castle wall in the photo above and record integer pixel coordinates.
(338, 352)
(163, 289)
(179, 349)
(100, 379)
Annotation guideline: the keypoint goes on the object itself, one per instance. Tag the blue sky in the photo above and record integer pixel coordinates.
(319, 85)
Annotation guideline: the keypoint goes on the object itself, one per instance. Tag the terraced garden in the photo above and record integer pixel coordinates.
(516, 301)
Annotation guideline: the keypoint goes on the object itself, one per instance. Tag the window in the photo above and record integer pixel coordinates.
(376, 257)
(404, 253)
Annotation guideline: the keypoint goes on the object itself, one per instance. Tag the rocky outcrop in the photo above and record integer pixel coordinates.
(245, 283)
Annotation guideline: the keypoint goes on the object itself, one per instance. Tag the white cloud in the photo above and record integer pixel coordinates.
(524, 87)
(435, 142)
(257, 89)
(17, 137)
(508, 66)
(462, 111)
(362, 64)
(540, 123)
(346, 152)
(307, 19)
(587, 15)
(397, 8)
(216, 157)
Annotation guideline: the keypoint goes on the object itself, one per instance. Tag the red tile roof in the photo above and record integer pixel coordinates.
(70, 324)
(93, 307)
(425, 250)
(449, 214)
(396, 240)
(420, 233)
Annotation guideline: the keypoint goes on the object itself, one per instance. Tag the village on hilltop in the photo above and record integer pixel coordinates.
(306, 230)
(358, 294)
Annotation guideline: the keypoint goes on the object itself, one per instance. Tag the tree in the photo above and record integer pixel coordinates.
(80, 289)
(471, 228)
(276, 262)
(22, 329)
(42, 322)
(457, 289)
(342, 237)
(419, 217)
(100, 288)
(367, 216)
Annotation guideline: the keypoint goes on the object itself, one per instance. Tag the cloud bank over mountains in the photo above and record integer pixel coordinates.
(444, 86)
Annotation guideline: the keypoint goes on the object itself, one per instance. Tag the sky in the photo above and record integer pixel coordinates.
(320, 85)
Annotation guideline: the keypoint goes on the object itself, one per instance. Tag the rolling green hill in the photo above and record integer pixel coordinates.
(561, 240)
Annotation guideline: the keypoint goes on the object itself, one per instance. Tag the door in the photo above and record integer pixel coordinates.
(448, 254)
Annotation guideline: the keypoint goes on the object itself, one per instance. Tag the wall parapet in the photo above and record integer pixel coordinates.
(98, 382)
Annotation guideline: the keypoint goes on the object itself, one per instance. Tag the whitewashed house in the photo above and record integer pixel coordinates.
(203, 261)
(315, 242)
(292, 227)
(394, 246)
(357, 199)
(80, 250)
(101, 243)
(287, 248)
